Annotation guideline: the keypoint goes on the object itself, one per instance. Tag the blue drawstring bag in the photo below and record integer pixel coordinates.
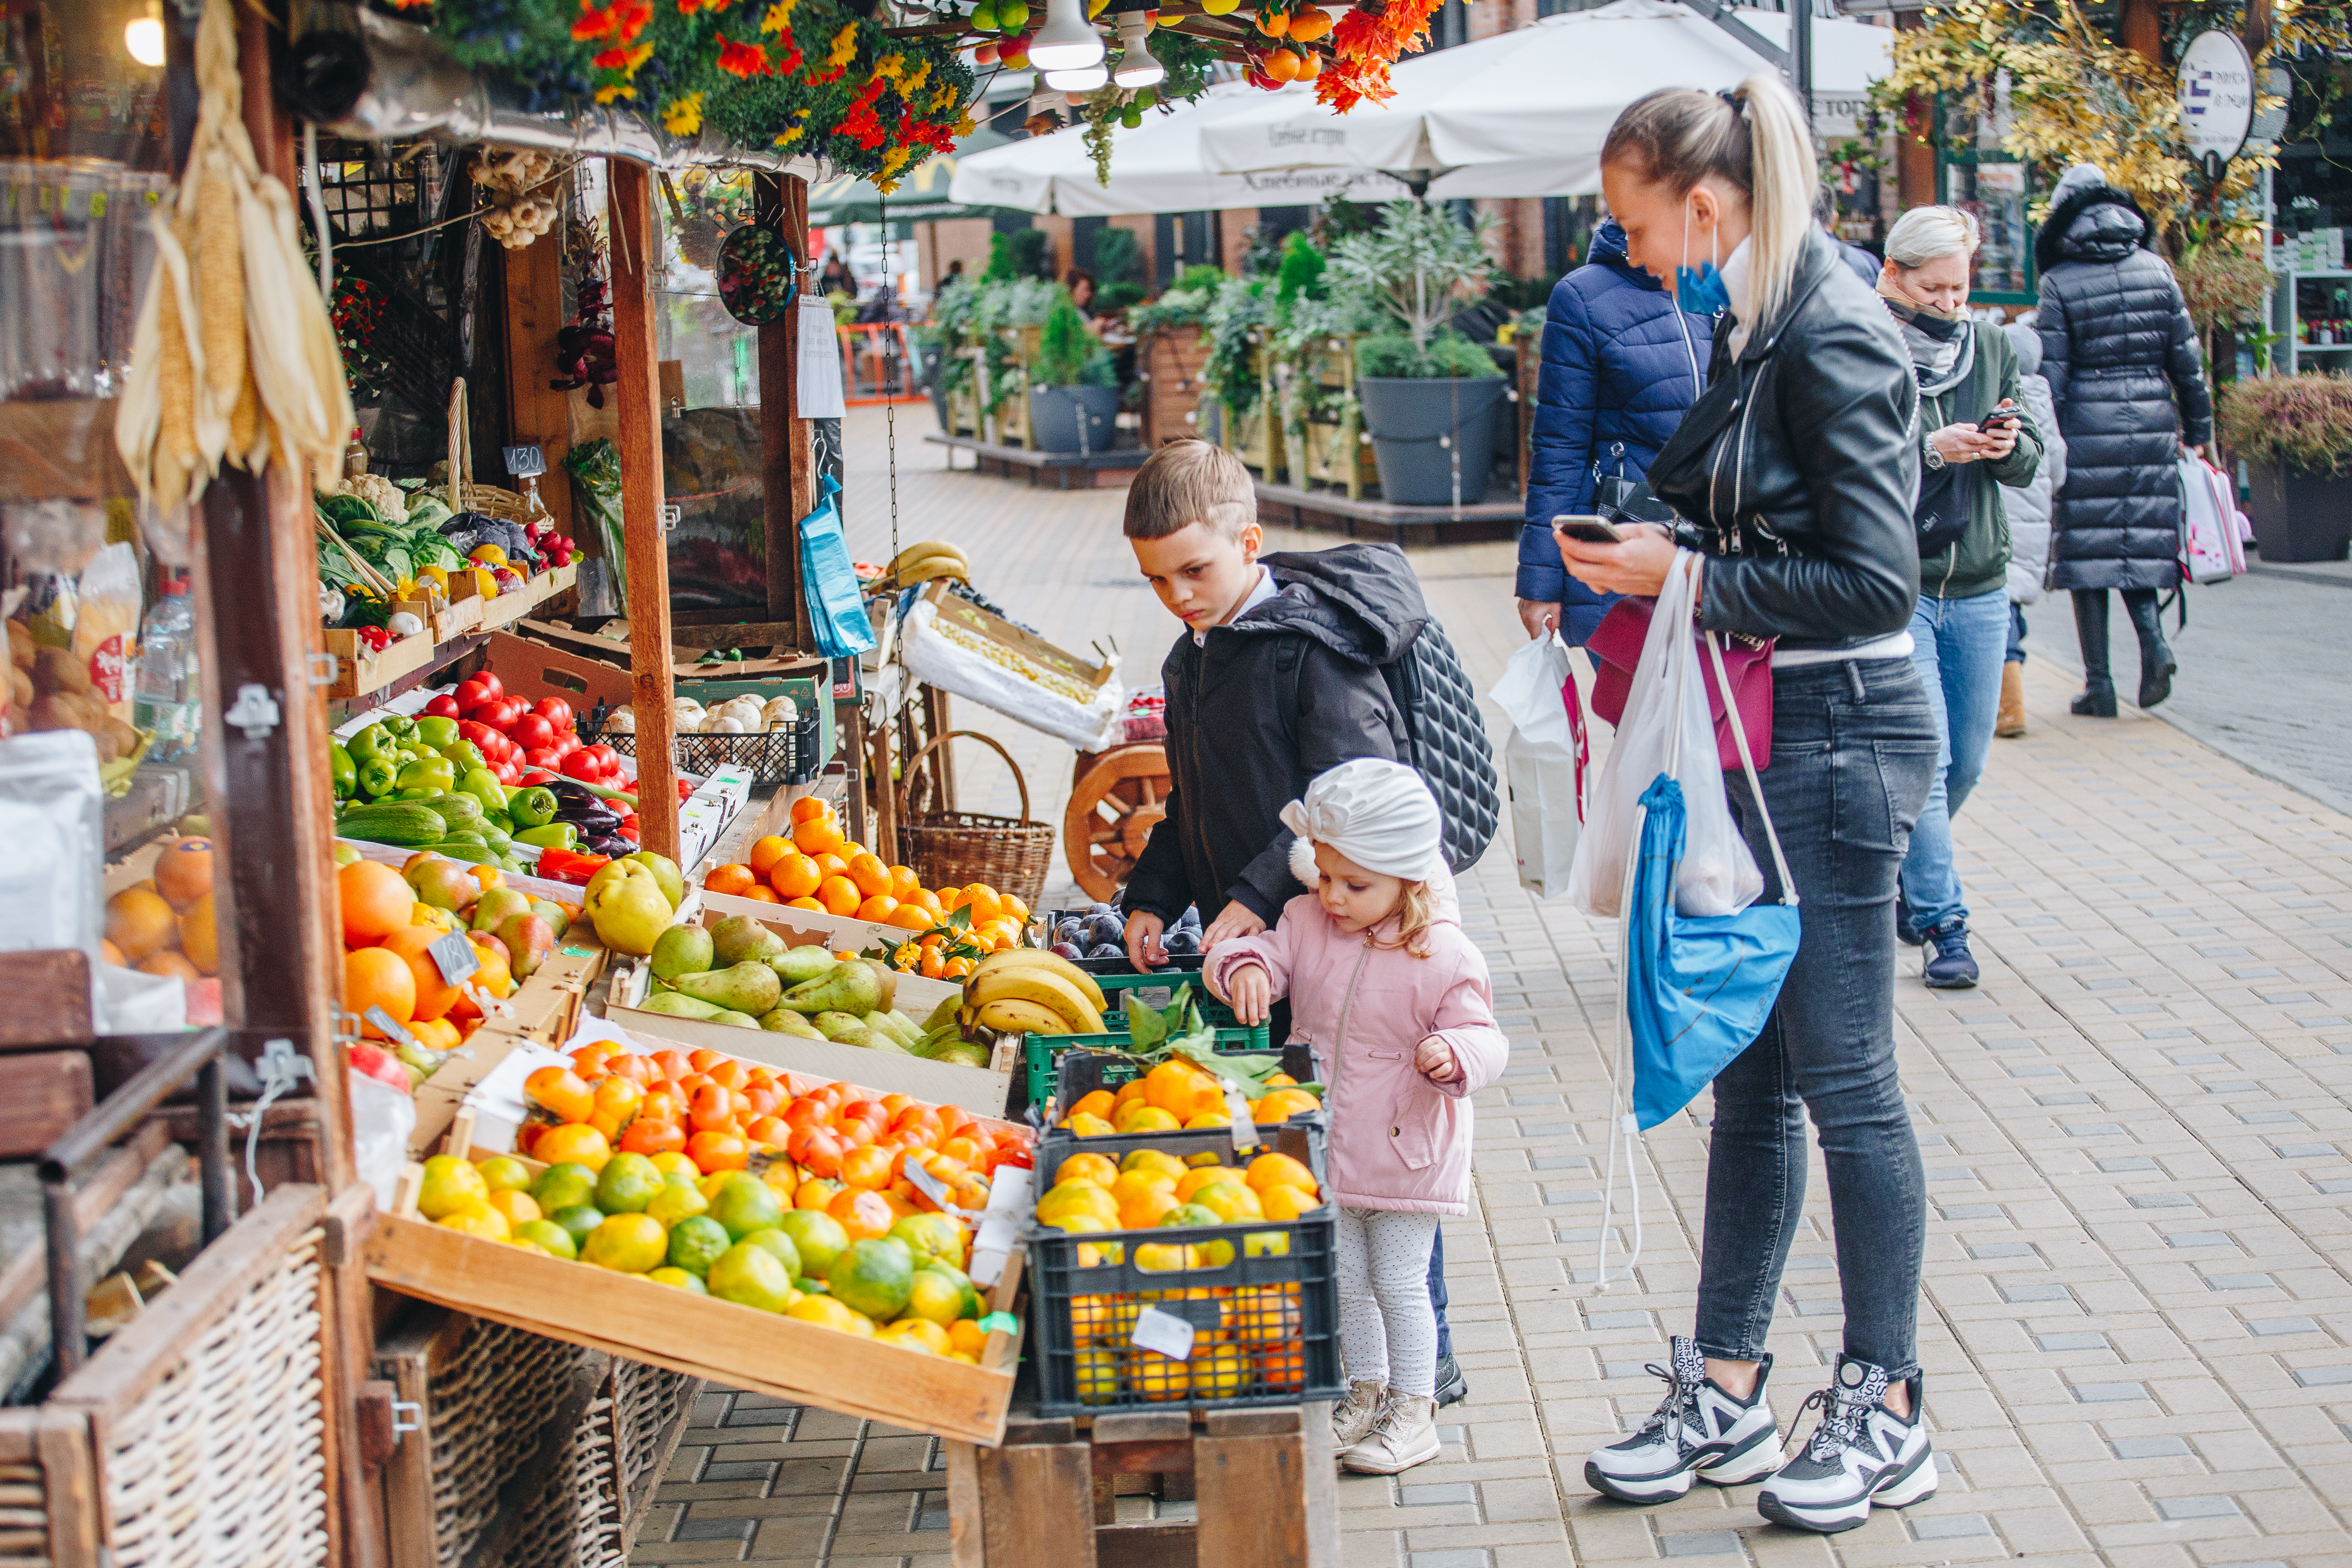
(1695, 991)
(836, 608)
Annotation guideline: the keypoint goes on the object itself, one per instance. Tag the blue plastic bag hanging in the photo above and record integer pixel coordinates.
(1694, 991)
(836, 609)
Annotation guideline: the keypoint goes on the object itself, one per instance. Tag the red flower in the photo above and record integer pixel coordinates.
(741, 60)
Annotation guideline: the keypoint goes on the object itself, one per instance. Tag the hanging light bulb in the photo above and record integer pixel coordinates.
(1137, 68)
(1068, 41)
(1085, 78)
(142, 38)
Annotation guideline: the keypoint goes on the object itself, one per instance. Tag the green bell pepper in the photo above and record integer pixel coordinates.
(344, 770)
(434, 773)
(400, 724)
(551, 836)
(419, 794)
(436, 731)
(464, 756)
(484, 786)
(375, 738)
(533, 807)
(378, 776)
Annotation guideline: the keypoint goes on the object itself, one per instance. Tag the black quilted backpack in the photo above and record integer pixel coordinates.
(1450, 749)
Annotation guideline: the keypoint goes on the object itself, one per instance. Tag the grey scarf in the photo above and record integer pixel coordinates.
(1943, 349)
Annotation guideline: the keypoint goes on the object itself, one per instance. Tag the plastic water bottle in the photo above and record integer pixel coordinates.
(169, 701)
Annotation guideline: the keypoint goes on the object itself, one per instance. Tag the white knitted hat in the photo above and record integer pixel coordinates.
(1378, 813)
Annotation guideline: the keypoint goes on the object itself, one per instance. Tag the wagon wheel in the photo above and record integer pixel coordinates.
(1116, 799)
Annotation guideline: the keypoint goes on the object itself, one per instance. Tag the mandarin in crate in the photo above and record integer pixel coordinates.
(838, 895)
(765, 852)
(434, 997)
(573, 1144)
(879, 909)
(138, 923)
(375, 900)
(872, 876)
(374, 978)
(732, 880)
(816, 835)
(808, 807)
(168, 966)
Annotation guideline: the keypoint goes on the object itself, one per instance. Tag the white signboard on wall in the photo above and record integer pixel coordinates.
(2217, 98)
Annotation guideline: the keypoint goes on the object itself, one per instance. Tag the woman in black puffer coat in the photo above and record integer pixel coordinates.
(2121, 358)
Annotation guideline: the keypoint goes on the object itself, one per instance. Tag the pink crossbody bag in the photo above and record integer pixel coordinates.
(1616, 649)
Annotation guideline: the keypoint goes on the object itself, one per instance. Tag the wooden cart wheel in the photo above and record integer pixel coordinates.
(1116, 798)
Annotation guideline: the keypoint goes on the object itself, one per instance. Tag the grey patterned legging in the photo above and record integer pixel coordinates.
(1388, 1330)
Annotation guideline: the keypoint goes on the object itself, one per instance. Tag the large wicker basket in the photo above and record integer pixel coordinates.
(956, 849)
(463, 493)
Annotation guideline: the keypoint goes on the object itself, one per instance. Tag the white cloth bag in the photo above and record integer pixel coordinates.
(1543, 762)
(1718, 875)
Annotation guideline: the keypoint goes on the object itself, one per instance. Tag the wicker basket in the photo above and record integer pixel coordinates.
(955, 849)
(464, 494)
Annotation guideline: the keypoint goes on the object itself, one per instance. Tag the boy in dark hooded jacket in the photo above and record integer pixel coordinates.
(1276, 680)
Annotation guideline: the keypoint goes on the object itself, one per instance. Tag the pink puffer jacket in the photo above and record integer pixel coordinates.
(1398, 1140)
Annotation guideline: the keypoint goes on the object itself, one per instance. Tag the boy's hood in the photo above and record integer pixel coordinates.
(1361, 601)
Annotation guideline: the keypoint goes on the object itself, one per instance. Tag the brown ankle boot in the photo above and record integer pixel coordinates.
(2009, 722)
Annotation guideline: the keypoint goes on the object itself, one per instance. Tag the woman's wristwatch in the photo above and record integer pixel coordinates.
(1931, 458)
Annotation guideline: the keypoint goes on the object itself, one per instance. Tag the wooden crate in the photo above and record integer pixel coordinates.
(1251, 435)
(530, 1452)
(207, 1415)
(1013, 414)
(358, 670)
(1172, 361)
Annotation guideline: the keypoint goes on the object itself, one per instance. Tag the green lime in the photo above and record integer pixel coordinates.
(750, 1277)
(819, 1237)
(628, 1182)
(696, 1242)
(549, 1235)
(677, 1201)
(874, 1277)
(562, 1186)
(678, 1279)
(777, 1242)
(580, 1219)
(504, 1173)
(746, 1204)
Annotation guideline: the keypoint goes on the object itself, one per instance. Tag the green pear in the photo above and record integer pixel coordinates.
(840, 1027)
(552, 913)
(443, 884)
(675, 1004)
(799, 965)
(741, 988)
(784, 1021)
(849, 988)
(734, 1020)
(683, 949)
(962, 1053)
(887, 978)
(528, 942)
(881, 1022)
(738, 938)
(664, 870)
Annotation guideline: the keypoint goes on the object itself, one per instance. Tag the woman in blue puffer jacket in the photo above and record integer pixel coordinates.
(1619, 369)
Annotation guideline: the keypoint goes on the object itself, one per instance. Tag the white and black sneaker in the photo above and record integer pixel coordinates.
(1862, 1455)
(1697, 1429)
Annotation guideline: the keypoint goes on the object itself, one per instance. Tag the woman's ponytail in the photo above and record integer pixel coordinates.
(1755, 138)
(1780, 187)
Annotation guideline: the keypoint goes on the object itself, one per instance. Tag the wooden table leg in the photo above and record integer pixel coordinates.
(1037, 1501)
(1268, 1496)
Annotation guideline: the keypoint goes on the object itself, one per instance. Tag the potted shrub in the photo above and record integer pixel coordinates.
(2295, 435)
(1073, 385)
(1429, 396)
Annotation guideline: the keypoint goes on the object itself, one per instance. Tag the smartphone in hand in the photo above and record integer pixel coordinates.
(1587, 529)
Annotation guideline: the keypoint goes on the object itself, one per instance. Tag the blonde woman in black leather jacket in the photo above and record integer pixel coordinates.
(1795, 474)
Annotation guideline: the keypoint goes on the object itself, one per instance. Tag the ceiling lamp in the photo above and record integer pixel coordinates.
(1085, 78)
(1137, 68)
(1068, 41)
(142, 38)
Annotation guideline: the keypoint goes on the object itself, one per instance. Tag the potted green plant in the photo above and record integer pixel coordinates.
(1429, 394)
(1073, 384)
(2295, 435)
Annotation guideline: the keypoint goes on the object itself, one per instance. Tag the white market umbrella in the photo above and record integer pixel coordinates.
(1156, 168)
(1524, 113)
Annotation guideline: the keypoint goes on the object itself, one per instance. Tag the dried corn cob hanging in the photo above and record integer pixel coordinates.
(235, 357)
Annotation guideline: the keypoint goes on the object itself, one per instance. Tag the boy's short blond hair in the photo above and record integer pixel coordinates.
(1186, 482)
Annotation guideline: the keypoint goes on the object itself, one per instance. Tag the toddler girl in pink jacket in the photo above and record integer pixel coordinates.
(1394, 1000)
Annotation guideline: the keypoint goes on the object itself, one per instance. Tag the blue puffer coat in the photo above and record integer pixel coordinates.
(1617, 370)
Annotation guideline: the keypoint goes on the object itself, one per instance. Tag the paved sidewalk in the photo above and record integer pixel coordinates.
(2137, 1307)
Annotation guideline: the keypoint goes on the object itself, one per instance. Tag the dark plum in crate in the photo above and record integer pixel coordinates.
(1262, 1296)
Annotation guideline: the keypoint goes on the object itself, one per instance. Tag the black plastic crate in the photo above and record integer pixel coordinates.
(1266, 1325)
(768, 755)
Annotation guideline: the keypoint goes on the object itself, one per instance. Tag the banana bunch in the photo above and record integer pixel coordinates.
(1025, 990)
(923, 562)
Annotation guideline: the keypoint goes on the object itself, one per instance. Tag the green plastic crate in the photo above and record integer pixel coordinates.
(1212, 1012)
(1041, 1051)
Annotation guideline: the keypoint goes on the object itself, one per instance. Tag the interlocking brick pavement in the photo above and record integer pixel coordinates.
(2137, 1308)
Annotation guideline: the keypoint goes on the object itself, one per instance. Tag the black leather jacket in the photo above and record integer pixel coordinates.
(1800, 467)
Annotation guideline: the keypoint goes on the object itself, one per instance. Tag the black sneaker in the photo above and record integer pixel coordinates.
(1862, 1455)
(1949, 965)
(1453, 1388)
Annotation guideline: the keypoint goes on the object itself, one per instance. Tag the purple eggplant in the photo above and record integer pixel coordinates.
(611, 844)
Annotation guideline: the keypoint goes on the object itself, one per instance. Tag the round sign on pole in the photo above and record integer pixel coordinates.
(2217, 98)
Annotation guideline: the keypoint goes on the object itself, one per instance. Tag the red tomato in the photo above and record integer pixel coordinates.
(491, 683)
(556, 711)
(582, 766)
(484, 738)
(538, 775)
(607, 758)
(501, 713)
(507, 774)
(544, 758)
(566, 742)
(532, 734)
(442, 707)
(475, 691)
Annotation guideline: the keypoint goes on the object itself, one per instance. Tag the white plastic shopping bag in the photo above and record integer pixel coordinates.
(1543, 762)
(1718, 875)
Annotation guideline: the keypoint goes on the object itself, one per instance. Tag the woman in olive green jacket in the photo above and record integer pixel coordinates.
(1975, 438)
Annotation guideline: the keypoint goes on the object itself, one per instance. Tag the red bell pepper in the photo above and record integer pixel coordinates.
(569, 866)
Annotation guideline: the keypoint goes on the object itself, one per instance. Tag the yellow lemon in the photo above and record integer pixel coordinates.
(1146, 1119)
(1220, 1370)
(1207, 1119)
(1097, 1377)
(1077, 1198)
(627, 1244)
(930, 1336)
(450, 1184)
(504, 1173)
(678, 1279)
(827, 1313)
(1267, 1243)
(934, 1299)
(1087, 1126)
(478, 1219)
(670, 1163)
(1157, 1377)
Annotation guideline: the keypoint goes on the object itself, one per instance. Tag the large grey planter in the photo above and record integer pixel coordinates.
(1419, 428)
(1055, 414)
(2299, 516)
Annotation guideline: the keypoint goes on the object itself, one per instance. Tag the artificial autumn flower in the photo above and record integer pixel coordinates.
(683, 116)
(779, 18)
(745, 60)
(843, 50)
(619, 22)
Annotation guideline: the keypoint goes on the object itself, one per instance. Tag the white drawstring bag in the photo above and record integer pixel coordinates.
(1543, 762)
(1718, 875)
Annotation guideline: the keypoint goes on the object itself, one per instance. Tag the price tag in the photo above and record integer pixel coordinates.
(453, 955)
(525, 462)
(931, 1187)
(1165, 1332)
(1245, 1127)
(999, 1323)
(389, 1027)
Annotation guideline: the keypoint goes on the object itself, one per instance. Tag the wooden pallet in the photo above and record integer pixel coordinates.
(1264, 1480)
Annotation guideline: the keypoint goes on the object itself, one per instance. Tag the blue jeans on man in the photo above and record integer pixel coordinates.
(1957, 647)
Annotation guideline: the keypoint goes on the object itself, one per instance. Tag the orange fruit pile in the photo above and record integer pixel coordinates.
(818, 867)
(1177, 1094)
(385, 934)
(164, 925)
